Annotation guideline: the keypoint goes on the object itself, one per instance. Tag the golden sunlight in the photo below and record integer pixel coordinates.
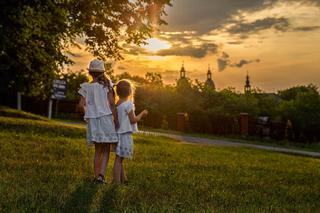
(155, 45)
(155, 58)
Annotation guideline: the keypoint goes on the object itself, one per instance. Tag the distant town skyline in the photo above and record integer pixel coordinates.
(278, 41)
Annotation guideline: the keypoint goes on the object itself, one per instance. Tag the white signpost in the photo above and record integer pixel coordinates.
(59, 92)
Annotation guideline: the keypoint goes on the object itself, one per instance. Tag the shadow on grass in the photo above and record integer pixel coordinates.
(86, 195)
(107, 201)
(81, 199)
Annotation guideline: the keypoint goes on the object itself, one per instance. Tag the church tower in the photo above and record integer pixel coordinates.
(247, 86)
(182, 72)
(183, 84)
(209, 82)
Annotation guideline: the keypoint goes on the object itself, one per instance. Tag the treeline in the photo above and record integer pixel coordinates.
(292, 113)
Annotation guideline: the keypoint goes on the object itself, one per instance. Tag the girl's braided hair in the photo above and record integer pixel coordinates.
(102, 79)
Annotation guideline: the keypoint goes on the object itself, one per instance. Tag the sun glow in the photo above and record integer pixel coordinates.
(155, 45)
(155, 58)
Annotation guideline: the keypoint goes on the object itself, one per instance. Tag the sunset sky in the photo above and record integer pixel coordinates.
(277, 41)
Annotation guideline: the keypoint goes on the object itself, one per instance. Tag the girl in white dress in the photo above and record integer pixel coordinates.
(97, 101)
(128, 125)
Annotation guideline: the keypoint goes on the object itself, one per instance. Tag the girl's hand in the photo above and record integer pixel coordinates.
(134, 119)
(144, 113)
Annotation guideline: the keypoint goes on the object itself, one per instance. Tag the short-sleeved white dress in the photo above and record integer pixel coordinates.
(100, 125)
(125, 145)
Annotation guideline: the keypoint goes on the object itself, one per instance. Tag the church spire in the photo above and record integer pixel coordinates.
(209, 75)
(182, 71)
(247, 86)
(209, 82)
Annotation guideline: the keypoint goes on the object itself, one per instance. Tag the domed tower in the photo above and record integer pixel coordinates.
(183, 83)
(182, 71)
(209, 82)
(247, 86)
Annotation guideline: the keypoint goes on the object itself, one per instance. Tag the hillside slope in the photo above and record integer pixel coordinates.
(46, 166)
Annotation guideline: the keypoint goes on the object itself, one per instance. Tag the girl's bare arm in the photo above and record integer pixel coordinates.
(134, 119)
(82, 104)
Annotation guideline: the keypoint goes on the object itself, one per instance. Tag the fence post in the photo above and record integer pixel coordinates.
(244, 124)
(50, 109)
(56, 110)
(19, 100)
(181, 121)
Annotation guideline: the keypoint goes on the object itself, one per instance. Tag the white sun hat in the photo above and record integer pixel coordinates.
(96, 65)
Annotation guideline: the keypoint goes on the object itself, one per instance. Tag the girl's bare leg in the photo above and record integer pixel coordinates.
(123, 176)
(117, 170)
(104, 158)
(97, 159)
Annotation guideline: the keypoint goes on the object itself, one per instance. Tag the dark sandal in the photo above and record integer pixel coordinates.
(100, 179)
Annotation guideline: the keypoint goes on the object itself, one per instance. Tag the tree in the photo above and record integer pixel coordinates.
(184, 85)
(304, 113)
(74, 79)
(291, 93)
(36, 35)
(32, 38)
(154, 78)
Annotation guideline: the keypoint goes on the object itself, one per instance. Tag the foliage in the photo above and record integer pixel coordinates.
(74, 79)
(291, 93)
(303, 109)
(35, 36)
(31, 46)
(217, 112)
(154, 78)
(47, 168)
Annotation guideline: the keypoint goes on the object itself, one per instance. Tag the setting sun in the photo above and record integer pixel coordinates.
(160, 106)
(155, 45)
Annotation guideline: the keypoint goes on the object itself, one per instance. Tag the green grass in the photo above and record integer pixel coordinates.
(46, 166)
(9, 112)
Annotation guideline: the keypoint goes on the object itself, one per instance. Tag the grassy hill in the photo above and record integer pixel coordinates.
(45, 166)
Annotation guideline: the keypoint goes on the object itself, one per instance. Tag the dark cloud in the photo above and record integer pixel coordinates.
(224, 62)
(133, 50)
(207, 15)
(306, 28)
(180, 38)
(243, 62)
(235, 42)
(197, 52)
(279, 24)
(120, 67)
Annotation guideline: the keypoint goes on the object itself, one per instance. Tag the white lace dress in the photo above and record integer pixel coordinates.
(100, 125)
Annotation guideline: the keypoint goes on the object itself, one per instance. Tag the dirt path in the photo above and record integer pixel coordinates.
(219, 142)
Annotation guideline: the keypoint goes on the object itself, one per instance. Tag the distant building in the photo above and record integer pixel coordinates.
(183, 83)
(209, 82)
(247, 86)
(182, 72)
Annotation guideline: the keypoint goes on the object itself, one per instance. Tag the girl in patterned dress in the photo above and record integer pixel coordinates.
(128, 125)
